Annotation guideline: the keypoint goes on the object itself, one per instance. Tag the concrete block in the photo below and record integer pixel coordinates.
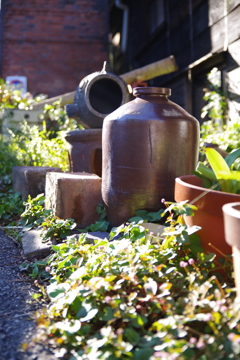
(155, 229)
(96, 235)
(33, 246)
(74, 195)
(30, 180)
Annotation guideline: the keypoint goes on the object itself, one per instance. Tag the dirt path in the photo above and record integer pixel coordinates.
(16, 324)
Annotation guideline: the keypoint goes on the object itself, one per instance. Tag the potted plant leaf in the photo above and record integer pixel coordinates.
(209, 188)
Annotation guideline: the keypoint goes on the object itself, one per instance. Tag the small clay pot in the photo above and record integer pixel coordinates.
(85, 150)
(231, 215)
(209, 214)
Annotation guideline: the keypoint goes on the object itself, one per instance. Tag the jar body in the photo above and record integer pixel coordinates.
(147, 143)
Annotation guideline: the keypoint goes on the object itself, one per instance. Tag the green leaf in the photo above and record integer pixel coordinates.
(35, 270)
(116, 231)
(24, 266)
(107, 314)
(100, 226)
(143, 354)
(90, 315)
(132, 335)
(151, 286)
(155, 216)
(141, 213)
(36, 296)
(232, 175)
(195, 244)
(232, 157)
(218, 165)
(139, 321)
(204, 171)
(207, 183)
(70, 326)
(55, 290)
(136, 219)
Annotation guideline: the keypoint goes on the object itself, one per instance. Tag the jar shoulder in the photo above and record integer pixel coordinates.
(141, 109)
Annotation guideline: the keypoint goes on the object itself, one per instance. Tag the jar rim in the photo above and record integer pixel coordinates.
(151, 91)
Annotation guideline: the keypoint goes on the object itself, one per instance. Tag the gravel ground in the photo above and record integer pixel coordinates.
(16, 323)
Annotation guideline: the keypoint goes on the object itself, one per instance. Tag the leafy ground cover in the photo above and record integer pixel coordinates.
(137, 296)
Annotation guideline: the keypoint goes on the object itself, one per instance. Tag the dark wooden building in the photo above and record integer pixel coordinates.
(201, 34)
(54, 43)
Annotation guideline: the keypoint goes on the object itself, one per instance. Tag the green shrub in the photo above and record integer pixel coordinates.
(227, 137)
(11, 206)
(55, 119)
(8, 158)
(32, 147)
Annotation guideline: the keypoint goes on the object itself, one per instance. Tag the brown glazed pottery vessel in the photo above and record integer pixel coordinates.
(147, 143)
(209, 214)
(231, 215)
(97, 95)
(85, 150)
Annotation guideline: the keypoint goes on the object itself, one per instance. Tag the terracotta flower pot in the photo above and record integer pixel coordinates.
(231, 215)
(209, 214)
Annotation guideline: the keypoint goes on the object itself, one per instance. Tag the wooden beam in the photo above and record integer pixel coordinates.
(158, 68)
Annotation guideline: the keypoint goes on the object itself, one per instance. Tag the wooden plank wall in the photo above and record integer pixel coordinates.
(192, 29)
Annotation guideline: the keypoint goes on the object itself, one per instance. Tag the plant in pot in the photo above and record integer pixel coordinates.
(209, 188)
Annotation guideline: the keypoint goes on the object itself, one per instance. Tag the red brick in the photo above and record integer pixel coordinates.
(54, 43)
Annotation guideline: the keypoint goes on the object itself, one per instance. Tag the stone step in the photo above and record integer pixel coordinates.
(30, 180)
(74, 196)
(33, 247)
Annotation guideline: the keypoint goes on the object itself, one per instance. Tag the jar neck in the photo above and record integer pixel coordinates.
(151, 91)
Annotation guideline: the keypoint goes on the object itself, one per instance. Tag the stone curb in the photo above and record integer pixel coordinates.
(33, 247)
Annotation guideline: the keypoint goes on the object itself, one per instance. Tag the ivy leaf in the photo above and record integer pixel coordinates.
(151, 286)
(100, 226)
(135, 219)
(56, 290)
(116, 231)
(143, 354)
(139, 321)
(107, 314)
(90, 315)
(132, 335)
(195, 244)
(70, 326)
(155, 216)
(141, 213)
(24, 266)
(78, 273)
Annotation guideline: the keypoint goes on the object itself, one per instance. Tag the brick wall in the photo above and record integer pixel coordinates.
(54, 43)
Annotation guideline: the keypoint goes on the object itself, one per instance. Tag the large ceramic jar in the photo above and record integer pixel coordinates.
(146, 144)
